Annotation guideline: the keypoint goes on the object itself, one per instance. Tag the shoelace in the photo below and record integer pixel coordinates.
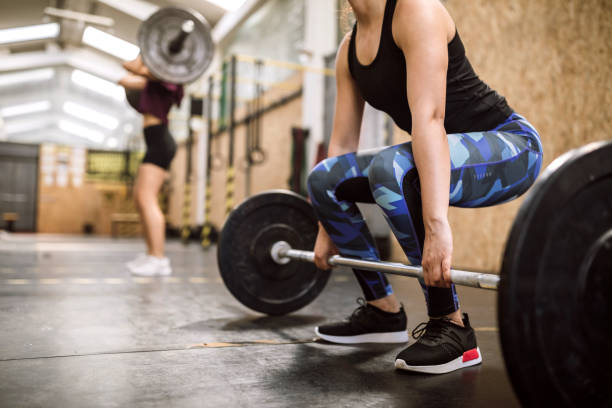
(431, 330)
(362, 306)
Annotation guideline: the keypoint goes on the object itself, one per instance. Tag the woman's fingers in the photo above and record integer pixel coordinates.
(437, 252)
(436, 271)
(436, 274)
(321, 262)
(446, 275)
(426, 272)
(323, 250)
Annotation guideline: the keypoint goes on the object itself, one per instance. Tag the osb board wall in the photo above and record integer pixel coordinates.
(65, 210)
(553, 62)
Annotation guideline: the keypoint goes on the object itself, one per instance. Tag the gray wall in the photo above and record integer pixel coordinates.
(19, 184)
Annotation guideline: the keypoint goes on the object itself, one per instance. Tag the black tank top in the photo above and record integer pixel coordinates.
(470, 104)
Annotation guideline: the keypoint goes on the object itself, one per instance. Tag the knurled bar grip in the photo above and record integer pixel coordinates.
(458, 277)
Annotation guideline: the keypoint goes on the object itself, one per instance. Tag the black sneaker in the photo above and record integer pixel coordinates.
(367, 324)
(441, 347)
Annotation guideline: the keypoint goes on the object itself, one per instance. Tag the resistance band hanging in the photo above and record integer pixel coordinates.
(256, 153)
(208, 226)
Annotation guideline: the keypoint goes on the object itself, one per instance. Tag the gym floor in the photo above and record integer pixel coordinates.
(79, 331)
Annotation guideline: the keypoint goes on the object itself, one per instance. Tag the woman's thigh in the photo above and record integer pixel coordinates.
(149, 180)
(492, 167)
(487, 168)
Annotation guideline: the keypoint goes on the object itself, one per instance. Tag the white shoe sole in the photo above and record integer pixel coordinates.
(163, 272)
(468, 359)
(388, 337)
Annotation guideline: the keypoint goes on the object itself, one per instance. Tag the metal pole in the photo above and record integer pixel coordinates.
(230, 187)
(281, 252)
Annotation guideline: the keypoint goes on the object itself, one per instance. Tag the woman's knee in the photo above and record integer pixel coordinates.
(138, 198)
(321, 179)
(142, 198)
(388, 169)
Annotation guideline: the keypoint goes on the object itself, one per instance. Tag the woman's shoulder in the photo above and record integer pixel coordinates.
(416, 8)
(412, 17)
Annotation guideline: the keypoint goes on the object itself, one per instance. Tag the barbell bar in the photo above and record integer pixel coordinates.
(281, 252)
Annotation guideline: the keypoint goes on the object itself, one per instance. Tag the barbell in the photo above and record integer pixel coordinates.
(555, 285)
(176, 44)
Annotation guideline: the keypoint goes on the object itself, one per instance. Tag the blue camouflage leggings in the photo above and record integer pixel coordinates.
(487, 168)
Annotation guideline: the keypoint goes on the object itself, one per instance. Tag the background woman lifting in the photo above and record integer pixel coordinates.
(153, 98)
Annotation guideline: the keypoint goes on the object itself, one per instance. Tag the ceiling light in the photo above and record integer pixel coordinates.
(81, 131)
(25, 108)
(91, 115)
(24, 126)
(112, 142)
(79, 17)
(229, 5)
(128, 128)
(97, 84)
(110, 44)
(29, 33)
(33, 75)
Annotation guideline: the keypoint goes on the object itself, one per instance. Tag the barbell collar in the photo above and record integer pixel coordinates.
(176, 45)
(281, 251)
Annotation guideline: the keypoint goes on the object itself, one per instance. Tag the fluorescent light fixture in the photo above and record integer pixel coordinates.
(97, 84)
(24, 126)
(112, 142)
(81, 131)
(80, 17)
(25, 108)
(139, 9)
(229, 5)
(128, 128)
(33, 75)
(29, 33)
(110, 44)
(91, 115)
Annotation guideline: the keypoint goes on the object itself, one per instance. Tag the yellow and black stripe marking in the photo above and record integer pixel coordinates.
(206, 229)
(230, 189)
(186, 229)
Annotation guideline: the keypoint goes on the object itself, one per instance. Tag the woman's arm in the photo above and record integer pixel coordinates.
(134, 66)
(349, 107)
(135, 82)
(137, 67)
(422, 34)
(345, 135)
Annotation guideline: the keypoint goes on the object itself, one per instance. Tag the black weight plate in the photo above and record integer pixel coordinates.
(244, 259)
(157, 32)
(555, 294)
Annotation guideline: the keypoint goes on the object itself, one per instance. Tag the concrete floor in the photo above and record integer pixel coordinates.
(78, 331)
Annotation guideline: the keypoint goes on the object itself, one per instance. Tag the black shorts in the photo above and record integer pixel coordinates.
(161, 146)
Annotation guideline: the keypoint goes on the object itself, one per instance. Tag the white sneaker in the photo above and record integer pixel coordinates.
(151, 266)
(136, 261)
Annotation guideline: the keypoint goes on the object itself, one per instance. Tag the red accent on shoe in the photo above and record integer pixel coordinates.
(470, 355)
